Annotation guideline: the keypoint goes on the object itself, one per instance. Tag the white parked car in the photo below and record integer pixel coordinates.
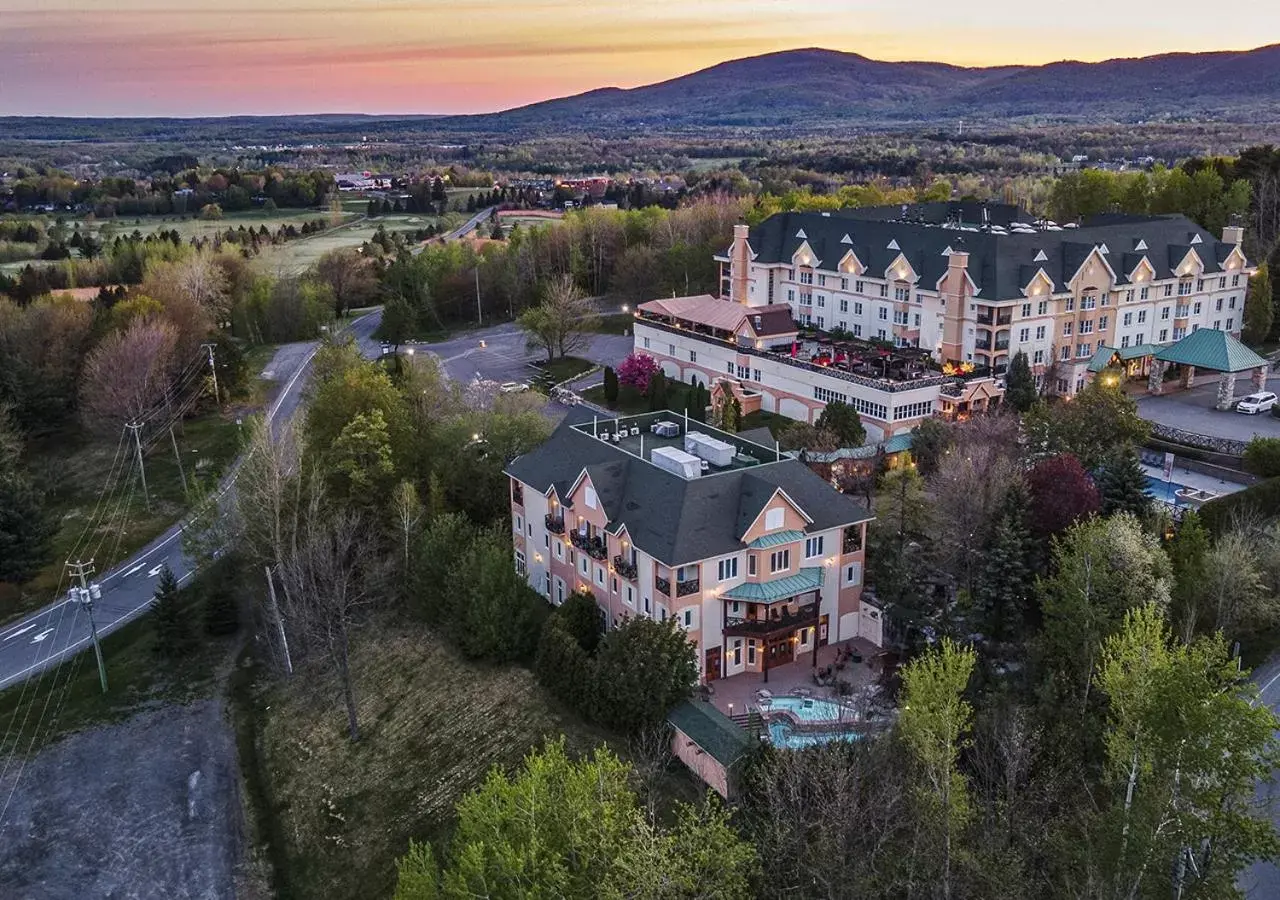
(513, 387)
(1260, 402)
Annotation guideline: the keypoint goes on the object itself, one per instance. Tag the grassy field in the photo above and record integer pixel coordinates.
(433, 725)
(296, 255)
(72, 467)
(70, 698)
(564, 368)
(619, 323)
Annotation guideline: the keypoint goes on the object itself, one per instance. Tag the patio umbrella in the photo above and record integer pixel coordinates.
(795, 348)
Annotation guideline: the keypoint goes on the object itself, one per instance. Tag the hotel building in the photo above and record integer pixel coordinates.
(965, 285)
(753, 554)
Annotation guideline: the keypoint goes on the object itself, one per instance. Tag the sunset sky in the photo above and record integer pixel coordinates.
(224, 57)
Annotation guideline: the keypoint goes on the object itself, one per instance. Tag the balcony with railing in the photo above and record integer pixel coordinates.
(984, 317)
(517, 493)
(555, 524)
(1002, 340)
(626, 568)
(982, 341)
(592, 545)
(690, 586)
(852, 539)
(778, 622)
(1004, 317)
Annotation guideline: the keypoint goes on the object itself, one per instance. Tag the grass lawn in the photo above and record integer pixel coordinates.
(69, 698)
(630, 401)
(72, 468)
(565, 367)
(433, 726)
(619, 323)
(774, 422)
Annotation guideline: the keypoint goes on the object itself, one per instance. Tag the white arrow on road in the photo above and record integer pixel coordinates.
(156, 571)
(42, 635)
(139, 567)
(14, 634)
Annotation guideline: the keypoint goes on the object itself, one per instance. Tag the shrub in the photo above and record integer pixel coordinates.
(1261, 499)
(1262, 455)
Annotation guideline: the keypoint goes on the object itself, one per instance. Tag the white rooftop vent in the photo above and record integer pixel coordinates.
(800, 234)
(703, 446)
(677, 462)
(947, 252)
(846, 240)
(893, 245)
(1142, 245)
(826, 215)
(1041, 257)
(1196, 239)
(1102, 248)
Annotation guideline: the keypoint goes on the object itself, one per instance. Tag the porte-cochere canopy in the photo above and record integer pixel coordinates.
(1209, 348)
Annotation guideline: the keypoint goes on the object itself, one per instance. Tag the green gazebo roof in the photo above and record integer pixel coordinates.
(808, 579)
(1103, 357)
(1209, 348)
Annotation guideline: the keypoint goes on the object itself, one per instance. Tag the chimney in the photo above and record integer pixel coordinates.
(740, 266)
(1233, 234)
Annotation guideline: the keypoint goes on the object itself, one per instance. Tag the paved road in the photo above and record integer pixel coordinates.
(1193, 410)
(462, 231)
(505, 356)
(43, 638)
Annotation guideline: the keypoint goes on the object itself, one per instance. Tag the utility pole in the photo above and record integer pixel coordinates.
(213, 370)
(85, 595)
(479, 316)
(136, 428)
(177, 458)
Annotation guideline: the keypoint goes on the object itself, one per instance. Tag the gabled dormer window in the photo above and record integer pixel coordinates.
(774, 519)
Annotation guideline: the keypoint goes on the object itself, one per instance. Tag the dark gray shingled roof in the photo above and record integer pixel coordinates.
(679, 521)
(998, 263)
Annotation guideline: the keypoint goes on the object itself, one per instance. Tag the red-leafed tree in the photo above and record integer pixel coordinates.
(637, 370)
(1062, 493)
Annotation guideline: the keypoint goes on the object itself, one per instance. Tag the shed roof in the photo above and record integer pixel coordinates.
(1209, 348)
(809, 579)
(711, 730)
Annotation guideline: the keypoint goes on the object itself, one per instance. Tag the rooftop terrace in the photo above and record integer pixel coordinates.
(633, 435)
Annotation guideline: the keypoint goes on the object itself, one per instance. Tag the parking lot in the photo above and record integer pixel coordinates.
(505, 356)
(1193, 410)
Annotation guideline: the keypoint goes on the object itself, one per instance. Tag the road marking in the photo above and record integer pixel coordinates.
(1272, 680)
(137, 568)
(16, 632)
(41, 636)
(156, 571)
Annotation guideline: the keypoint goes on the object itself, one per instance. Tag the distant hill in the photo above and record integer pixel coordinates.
(805, 87)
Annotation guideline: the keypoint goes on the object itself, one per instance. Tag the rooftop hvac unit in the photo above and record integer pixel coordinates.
(677, 462)
(703, 446)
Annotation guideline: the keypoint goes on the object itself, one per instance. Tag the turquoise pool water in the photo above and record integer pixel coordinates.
(783, 735)
(811, 709)
(1166, 492)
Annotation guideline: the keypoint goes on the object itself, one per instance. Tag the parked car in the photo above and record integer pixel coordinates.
(513, 387)
(1256, 403)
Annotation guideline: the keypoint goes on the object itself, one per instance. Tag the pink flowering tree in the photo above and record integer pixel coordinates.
(637, 370)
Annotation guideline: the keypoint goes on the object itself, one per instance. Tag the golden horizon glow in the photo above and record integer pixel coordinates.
(160, 57)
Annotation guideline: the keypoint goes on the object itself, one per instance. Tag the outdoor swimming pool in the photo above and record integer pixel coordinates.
(810, 709)
(1167, 492)
(781, 734)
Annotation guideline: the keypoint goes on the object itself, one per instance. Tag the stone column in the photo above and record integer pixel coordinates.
(1188, 376)
(1226, 390)
(1260, 378)
(1155, 377)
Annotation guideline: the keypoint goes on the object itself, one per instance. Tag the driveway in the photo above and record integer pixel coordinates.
(1193, 410)
(505, 356)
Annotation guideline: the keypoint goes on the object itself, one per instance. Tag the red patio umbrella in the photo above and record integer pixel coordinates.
(794, 349)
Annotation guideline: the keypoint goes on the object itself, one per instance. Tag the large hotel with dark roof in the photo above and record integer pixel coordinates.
(920, 308)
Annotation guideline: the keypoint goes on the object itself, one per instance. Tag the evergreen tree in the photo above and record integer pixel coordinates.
(1006, 582)
(610, 384)
(658, 391)
(172, 627)
(373, 209)
(1187, 552)
(1123, 485)
(1259, 308)
(221, 606)
(1020, 385)
(26, 529)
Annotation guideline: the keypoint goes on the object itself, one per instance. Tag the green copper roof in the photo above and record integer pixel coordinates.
(1101, 359)
(766, 592)
(773, 540)
(1138, 351)
(898, 443)
(1209, 348)
(711, 730)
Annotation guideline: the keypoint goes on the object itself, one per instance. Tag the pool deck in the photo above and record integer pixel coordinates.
(737, 694)
(1196, 480)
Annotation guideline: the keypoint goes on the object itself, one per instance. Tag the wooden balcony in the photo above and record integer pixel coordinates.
(772, 626)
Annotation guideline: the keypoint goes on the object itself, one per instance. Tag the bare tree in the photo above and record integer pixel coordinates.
(334, 574)
(127, 374)
(350, 276)
(650, 754)
(562, 324)
(408, 511)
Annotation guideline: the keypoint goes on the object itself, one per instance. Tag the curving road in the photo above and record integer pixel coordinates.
(44, 638)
